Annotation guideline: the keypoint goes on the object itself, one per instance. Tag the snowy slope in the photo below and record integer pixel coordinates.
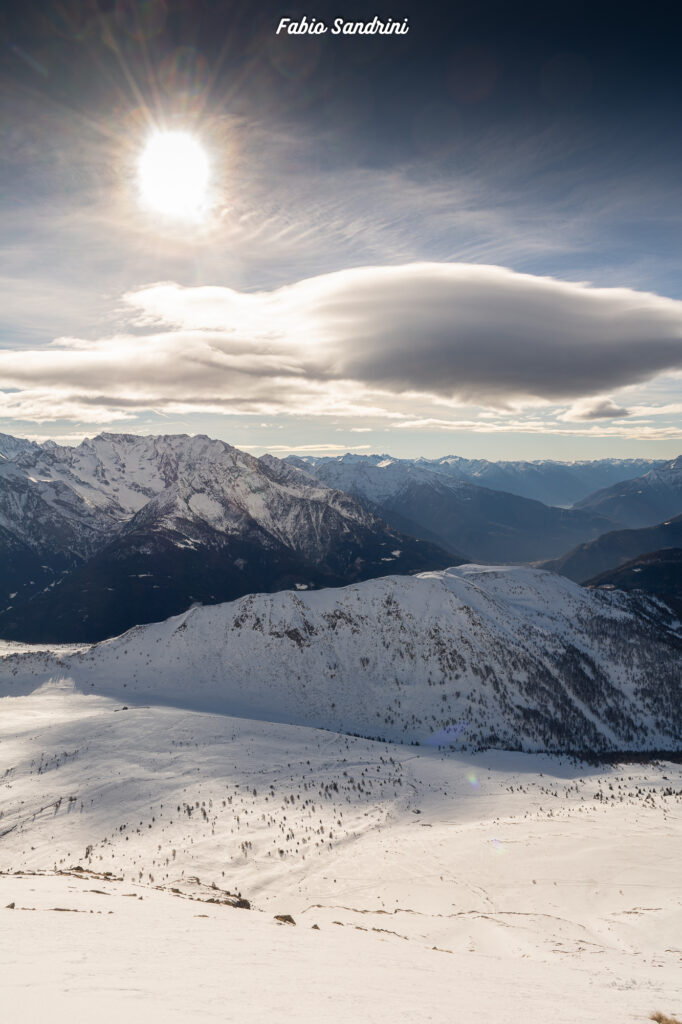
(472, 656)
(374, 478)
(440, 887)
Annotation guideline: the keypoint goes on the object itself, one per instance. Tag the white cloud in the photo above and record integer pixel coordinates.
(366, 342)
(312, 448)
(603, 408)
(44, 405)
(479, 333)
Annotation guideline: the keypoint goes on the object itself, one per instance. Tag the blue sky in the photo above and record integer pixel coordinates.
(464, 240)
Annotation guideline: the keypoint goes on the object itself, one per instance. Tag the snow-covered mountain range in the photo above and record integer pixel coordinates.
(545, 480)
(642, 501)
(125, 529)
(473, 656)
(489, 525)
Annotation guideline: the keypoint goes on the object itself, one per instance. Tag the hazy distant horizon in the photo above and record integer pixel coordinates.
(334, 449)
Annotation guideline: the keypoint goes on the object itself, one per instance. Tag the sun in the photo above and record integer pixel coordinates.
(173, 175)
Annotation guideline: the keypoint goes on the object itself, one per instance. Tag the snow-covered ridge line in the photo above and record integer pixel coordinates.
(186, 518)
(467, 657)
(550, 481)
(116, 475)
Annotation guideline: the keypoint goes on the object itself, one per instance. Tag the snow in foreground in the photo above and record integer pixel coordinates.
(509, 886)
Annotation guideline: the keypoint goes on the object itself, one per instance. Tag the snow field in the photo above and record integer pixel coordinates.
(548, 887)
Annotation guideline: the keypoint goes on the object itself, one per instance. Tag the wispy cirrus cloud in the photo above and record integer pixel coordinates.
(639, 431)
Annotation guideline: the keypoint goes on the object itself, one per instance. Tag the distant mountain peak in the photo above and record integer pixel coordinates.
(126, 528)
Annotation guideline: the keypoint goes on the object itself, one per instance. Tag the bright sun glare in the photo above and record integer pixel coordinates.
(173, 175)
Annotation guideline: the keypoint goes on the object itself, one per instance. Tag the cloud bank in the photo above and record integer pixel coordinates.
(345, 342)
(458, 330)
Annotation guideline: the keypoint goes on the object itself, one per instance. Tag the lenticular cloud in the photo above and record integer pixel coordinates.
(478, 334)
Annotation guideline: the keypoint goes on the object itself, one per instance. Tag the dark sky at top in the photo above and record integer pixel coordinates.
(465, 67)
